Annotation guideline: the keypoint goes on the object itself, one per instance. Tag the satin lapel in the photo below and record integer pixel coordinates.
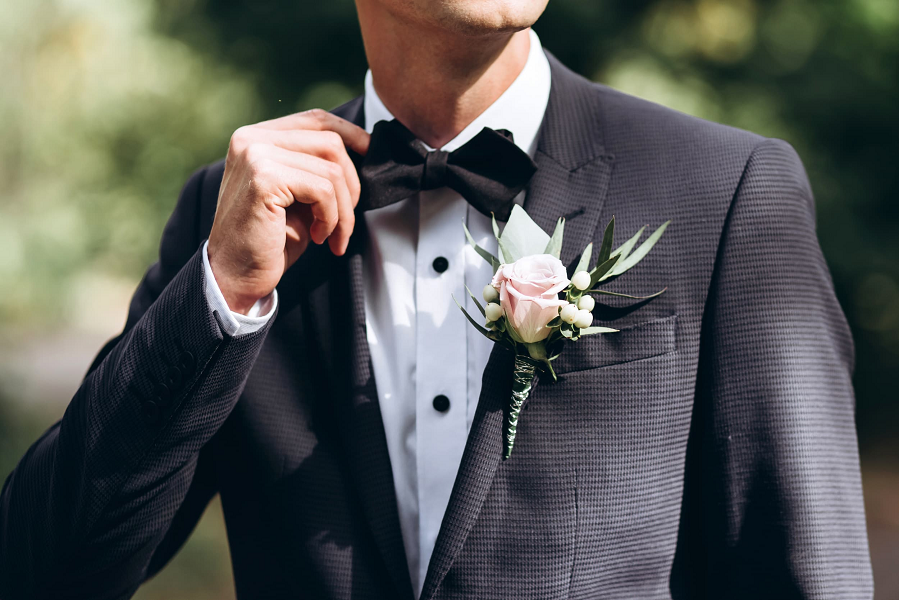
(357, 408)
(571, 180)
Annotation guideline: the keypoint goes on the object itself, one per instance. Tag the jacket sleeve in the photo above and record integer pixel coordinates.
(773, 499)
(87, 506)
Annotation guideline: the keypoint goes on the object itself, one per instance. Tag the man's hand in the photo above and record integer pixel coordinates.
(286, 181)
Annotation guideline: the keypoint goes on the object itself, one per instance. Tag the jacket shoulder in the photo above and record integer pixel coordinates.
(633, 125)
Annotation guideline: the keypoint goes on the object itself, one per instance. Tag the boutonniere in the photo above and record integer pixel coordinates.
(534, 309)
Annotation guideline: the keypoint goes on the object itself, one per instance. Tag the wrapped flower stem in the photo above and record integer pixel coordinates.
(523, 374)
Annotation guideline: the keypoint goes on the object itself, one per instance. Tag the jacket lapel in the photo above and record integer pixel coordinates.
(572, 179)
(357, 410)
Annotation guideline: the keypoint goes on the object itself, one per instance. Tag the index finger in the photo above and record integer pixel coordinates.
(317, 119)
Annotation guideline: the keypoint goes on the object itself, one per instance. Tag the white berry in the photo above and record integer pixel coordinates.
(493, 311)
(490, 293)
(586, 303)
(584, 319)
(581, 280)
(568, 313)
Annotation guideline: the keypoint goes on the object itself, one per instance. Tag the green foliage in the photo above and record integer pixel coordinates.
(554, 247)
(101, 121)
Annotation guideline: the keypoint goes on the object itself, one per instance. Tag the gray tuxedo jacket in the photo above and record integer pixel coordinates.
(708, 450)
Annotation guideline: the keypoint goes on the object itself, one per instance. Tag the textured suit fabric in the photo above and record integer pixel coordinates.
(707, 450)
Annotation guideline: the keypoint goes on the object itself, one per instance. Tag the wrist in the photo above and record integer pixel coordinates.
(237, 299)
(240, 304)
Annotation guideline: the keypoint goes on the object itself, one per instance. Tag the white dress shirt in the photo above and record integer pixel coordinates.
(421, 345)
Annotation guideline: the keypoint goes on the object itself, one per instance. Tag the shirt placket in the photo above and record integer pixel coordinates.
(441, 357)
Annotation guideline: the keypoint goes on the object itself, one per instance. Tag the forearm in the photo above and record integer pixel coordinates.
(96, 493)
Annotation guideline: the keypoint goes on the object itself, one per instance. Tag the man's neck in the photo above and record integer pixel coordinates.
(436, 83)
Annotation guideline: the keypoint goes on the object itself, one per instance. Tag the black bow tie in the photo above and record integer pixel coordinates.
(488, 171)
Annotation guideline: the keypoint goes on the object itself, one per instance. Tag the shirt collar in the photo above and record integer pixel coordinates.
(519, 109)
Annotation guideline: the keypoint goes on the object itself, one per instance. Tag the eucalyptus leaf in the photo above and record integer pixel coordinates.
(605, 250)
(599, 273)
(494, 262)
(584, 263)
(496, 234)
(478, 304)
(522, 236)
(592, 330)
(627, 246)
(640, 252)
(554, 247)
(477, 326)
(549, 367)
(607, 293)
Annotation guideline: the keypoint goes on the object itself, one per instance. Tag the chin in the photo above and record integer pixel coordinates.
(474, 17)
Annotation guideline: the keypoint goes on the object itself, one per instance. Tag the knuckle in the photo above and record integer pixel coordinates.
(254, 152)
(332, 145)
(239, 140)
(259, 170)
(318, 115)
(326, 190)
(335, 171)
(334, 140)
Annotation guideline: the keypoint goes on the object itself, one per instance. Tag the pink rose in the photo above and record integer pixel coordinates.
(529, 293)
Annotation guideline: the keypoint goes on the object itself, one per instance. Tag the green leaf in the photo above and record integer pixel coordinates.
(592, 330)
(496, 234)
(607, 293)
(536, 350)
(554, 247)
(584, 263)
(555, 322)
(477, 326)
(605, 250)
(478, 304)
(640, 252)
(627, 246)
(602, 270)
(494, 262)
(549, 367)
(522, 237)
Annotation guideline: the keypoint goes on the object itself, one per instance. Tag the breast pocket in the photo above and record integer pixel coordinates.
(630, 343)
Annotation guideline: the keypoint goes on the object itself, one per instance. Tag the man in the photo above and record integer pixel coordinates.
(350, 419)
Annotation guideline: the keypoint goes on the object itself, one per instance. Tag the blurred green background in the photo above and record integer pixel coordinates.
(106, 107)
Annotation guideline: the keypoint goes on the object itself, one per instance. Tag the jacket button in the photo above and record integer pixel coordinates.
(151, 411)
(161, 389)
(187, 364)
(162, 395)
(173, 378)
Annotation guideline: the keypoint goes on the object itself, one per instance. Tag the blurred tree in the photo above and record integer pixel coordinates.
(101, 121)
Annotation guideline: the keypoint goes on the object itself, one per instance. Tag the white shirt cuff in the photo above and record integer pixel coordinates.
(236, 323)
